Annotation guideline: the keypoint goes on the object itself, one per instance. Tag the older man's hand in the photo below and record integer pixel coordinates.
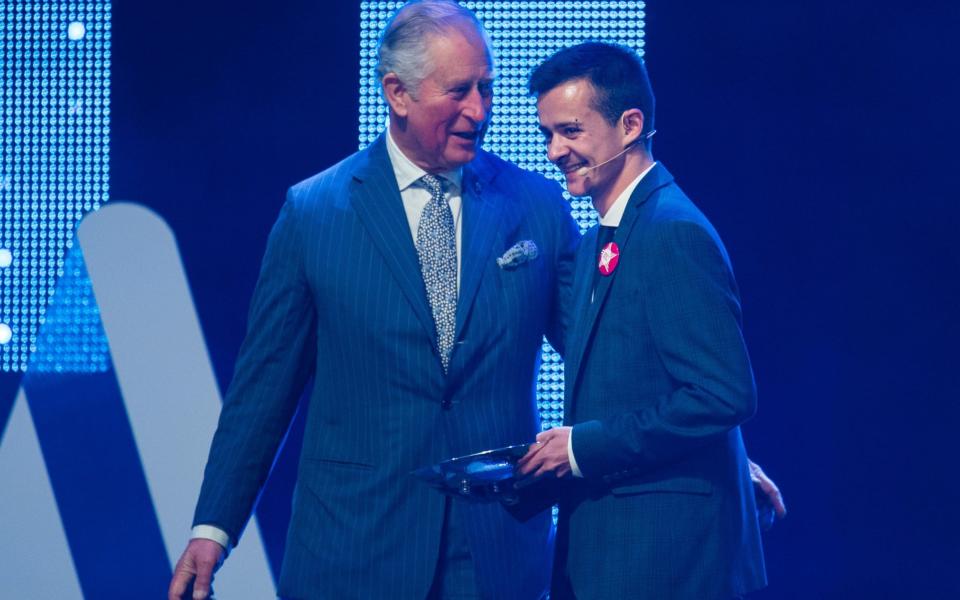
(194, 570)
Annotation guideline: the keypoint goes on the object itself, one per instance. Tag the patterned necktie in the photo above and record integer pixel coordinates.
(437, 247)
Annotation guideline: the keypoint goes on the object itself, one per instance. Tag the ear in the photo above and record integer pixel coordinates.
(632, 122)
(396, 93)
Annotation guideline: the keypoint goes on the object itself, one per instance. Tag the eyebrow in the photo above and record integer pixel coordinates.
(561, 124)
(462, 82)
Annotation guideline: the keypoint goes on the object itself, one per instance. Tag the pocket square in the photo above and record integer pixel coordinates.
(518, 254)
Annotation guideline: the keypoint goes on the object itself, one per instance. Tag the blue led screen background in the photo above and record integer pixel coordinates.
(54, 168)
(523, 34)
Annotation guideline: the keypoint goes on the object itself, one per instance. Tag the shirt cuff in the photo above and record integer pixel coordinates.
(571, 458)
(209, 532)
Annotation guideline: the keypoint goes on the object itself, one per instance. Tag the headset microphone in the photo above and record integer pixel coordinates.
(584, 171)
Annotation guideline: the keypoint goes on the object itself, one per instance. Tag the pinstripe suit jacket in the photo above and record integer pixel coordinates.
(340, 295)
(657, 382)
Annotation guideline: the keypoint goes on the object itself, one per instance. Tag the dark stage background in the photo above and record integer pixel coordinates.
(818, 136)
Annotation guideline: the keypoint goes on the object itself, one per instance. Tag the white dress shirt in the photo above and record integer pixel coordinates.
(611, 218)
(415, 196)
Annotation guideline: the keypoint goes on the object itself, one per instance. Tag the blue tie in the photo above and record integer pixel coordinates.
(437, 247)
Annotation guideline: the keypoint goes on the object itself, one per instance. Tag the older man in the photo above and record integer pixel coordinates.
(381, 278)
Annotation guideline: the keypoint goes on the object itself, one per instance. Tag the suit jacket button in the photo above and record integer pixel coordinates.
(445, 403)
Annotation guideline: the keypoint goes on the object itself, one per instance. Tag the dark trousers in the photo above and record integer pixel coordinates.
(455, 578)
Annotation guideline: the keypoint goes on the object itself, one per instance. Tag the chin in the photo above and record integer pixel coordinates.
(576, 187)
(459, 158)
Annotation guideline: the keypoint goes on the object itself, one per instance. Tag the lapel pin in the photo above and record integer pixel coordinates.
(609, 259)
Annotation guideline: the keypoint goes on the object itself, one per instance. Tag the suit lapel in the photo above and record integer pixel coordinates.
(588, 312)
(586, 262)
(376, 199)
(481, 221)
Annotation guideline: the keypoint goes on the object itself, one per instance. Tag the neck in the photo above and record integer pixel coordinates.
(399, 135)
(398, 132)
(634, 164)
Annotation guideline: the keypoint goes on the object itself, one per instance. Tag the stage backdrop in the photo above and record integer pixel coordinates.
(819, 137)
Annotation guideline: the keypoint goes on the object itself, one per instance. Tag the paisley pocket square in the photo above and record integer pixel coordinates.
(518, 254)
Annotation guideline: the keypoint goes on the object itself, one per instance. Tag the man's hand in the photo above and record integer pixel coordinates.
(196, 566)
(548, 455)
(769, 500)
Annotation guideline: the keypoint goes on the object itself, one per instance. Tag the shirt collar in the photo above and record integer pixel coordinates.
(407, 173)
(615, 213)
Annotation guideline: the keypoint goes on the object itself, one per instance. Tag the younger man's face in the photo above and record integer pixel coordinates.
(578, 136)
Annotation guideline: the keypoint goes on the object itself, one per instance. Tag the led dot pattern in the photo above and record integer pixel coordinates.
(55, 114)
(72, 339)
(523, 35)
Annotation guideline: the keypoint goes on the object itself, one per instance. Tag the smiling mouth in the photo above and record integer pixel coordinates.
(568, 169)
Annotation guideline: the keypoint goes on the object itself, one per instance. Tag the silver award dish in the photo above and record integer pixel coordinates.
(485, 475)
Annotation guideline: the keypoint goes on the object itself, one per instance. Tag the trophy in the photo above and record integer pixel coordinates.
(484, 476)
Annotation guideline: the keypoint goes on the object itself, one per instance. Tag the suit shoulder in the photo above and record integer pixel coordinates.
(530, 196)
(673, 209)
(676, 219)
(522, 182)
(327, 185)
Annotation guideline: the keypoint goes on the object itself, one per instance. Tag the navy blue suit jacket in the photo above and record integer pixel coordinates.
(341, 296)
(657, 382)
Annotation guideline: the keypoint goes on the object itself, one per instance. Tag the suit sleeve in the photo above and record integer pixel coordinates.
(275, 361)
(693, 313)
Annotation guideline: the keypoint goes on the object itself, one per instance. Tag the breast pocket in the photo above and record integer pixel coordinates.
(522, 276)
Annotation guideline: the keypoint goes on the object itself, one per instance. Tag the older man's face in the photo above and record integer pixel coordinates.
(443, 124)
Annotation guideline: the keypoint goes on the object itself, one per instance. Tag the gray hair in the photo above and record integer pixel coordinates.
(402, 48)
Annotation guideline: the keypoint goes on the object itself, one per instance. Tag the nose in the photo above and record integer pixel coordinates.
(556, 149)
(476, 106)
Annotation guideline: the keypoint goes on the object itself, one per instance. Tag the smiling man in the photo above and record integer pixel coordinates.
(439, 123)
(657, 499)
(381, 281)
